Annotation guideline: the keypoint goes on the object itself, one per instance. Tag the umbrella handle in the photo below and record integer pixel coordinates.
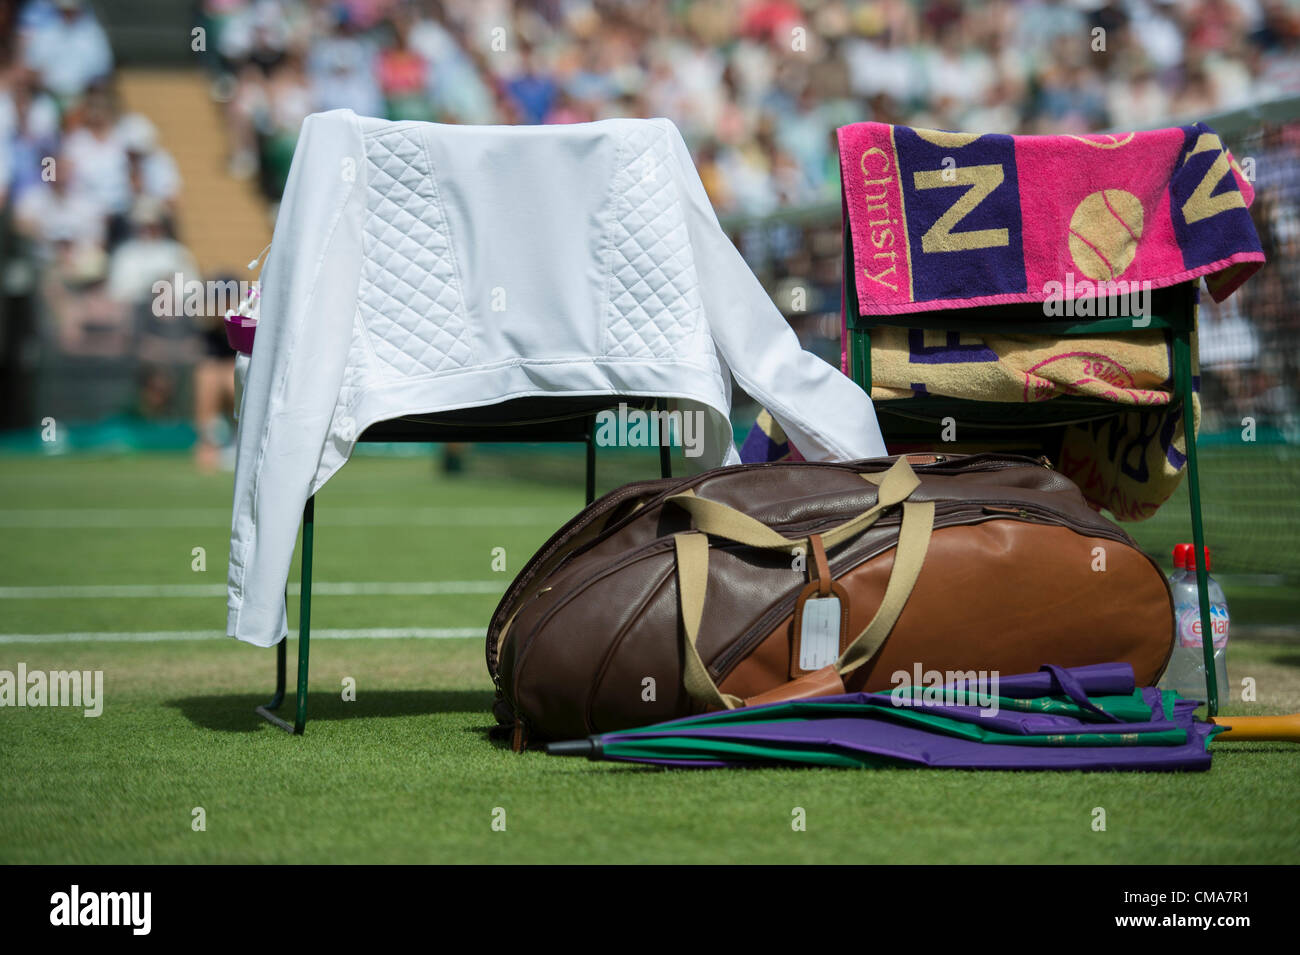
(589, 747)
(1285, 729)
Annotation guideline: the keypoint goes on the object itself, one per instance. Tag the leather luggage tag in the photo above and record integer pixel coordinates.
(821, 618)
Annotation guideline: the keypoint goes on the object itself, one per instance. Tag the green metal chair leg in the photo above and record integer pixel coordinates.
(304, 639)
(304, 614)
(1183, 388)
(591, 461)
(265, 709)
(665, 454)
(665, 451)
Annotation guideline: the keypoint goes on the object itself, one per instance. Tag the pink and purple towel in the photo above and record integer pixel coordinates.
(950, 220)
(946, 220)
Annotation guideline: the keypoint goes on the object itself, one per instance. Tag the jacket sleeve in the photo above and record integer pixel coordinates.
(825, 415)
(309, 287)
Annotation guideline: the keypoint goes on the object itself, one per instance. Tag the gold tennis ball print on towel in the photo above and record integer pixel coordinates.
(1104, 233)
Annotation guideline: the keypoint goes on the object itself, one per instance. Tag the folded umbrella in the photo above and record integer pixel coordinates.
(1091, 717)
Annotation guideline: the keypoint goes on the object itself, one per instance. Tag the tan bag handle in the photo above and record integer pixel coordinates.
(692, 580)
(909, 558)
(720, 520)
(692, 551)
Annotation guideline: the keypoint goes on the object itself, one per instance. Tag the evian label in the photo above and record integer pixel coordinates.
(1189, 626)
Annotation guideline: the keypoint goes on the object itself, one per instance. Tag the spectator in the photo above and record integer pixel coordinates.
(1137, 100)
(258, 33)
(149, 255)
(69, 50)
(532, 91)
(288, 97)
(214, 391)
(341, 68)
(87, 321)
(52, 211)
(287, 101)
(1196, 97)
(151, 170)
(1229, 357)
(248, 109)
(403, 75)
(29, 124)
(103, 172)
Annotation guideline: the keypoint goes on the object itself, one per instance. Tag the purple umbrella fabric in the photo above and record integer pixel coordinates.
(867, 729)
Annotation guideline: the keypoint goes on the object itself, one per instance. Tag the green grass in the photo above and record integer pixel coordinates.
(1250, 497)
(406, 773)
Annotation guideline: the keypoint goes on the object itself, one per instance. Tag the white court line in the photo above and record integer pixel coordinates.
(86, 517)
(158, 636)
(374, 633)
(415, 588)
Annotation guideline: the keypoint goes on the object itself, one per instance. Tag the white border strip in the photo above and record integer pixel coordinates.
(1256, 631)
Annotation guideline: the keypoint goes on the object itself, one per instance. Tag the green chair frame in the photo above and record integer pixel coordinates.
(470, 427)
(1172, 309)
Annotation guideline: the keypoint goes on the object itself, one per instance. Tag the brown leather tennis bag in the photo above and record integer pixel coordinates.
(773, 581)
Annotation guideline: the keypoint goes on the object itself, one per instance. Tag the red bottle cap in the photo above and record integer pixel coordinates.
(1184, 557)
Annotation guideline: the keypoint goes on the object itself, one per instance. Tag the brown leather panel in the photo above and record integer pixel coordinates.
(823, 682)
(1004, 595)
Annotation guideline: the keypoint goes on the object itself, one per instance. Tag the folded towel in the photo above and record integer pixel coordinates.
(767, 441)
(1129, 462)
(949, 220)
(941, 220)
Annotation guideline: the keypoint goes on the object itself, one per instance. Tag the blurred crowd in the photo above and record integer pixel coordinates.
(1249, 345)
(756, 86)
(86, 185)
(92, 198)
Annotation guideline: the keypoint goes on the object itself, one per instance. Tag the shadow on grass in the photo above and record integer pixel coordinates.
(233, 713)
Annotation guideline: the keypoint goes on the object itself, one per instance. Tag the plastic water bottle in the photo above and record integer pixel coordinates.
(1186, 670)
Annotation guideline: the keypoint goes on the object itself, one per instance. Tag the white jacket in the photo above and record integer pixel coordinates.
(418, 268)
